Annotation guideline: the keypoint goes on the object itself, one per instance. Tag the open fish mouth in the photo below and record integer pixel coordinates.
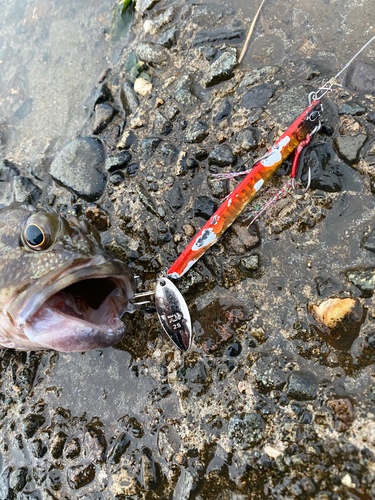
(77, 310)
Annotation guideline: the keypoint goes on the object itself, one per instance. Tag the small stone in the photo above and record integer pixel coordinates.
(159, 102)
(250, 263)
(148, 147)
(103, 116)
(96, 445)
(103, 94)
(246, 430)
(169, 152)
(192, 163)
(117, 178)
(57, 444)
(222, 68)
(183, 93)
(347, 481)
(368, 241)
(189, 230)
(175, 198)
(222, 156)
(269, 372)
(127, 140)
(223, 112)
(181, 167)
(80, 475)
(172, 112)
(247, 139)
(132, 169)
(119, 447)
(205, 36)
(371, 117)
(302, 386)
(158, 20)
(38, 448)
(162, 126)
(118, 162)
(337, 314)
(17, 480)
(218, 188)
(142, 5)
(31, 424)
(204, 207)
(138, 120)
(350, 108)
(201, 154)
(348, 147)
(79, 167)
(343, 413)
(25, 191)
(129, 98)
(361, 77)
(168, 38)
(362, 278)
(257, 96)
(196, 132)
(142, 87)
(72, 449)
(257, 74)
(152, 54)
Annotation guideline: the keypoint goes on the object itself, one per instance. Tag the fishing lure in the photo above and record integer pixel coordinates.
(296, 137)
(299, 132)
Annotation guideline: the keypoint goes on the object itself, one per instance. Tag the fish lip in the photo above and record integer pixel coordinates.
(101, 266)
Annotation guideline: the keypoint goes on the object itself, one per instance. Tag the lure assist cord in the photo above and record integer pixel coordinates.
(296, 137)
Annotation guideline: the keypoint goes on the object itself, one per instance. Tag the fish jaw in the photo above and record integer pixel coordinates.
(57, 316)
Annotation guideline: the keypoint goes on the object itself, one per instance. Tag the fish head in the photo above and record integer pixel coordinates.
(59, 288)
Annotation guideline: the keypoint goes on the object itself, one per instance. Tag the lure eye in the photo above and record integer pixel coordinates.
(40, 231)
(314, 115)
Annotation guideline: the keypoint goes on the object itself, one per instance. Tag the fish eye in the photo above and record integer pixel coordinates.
(34, 236)
(40, 231)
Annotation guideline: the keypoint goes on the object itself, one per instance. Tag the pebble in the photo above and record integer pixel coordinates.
(119, 447)
(181, 167)
(222, 68)
(337, 313)
(183, 92)
(31, 424)
(204, 207)
(25, 191)
(17, 480)
(189, 230)
(103, 116)
(148, 147)
(368, 241)
(72, 449)
(222, 156)
(142, 5)
(168, 38)
(175, 198)
(288, 106)
(162, 126)
(362, 278)
(250, 263)
(172, 112)
(257, 74)
(158, 20)
(118, 162)
(361, 77)
(80, 167)
(246, 430)
(96, 445)
(129, 98)
(57, 444)
(302, 386)
(97, 217)
(257, 96)
(201, 154)
(128, 138)
(269, 372)
(142, 87)
(169, 152)
(247, 139)
(224, 111)
(132, 169)
(192, 163)
(80, 475)
(350, 108)
(196, 132)
(218, 188)
(152, 54)
(205, 36)
(348, 147)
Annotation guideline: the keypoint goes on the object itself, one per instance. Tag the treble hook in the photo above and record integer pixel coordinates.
(300, 147)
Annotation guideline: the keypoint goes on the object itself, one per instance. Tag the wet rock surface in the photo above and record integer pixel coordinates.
(270, 401)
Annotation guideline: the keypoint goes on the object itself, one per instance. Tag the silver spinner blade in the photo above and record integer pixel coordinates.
(173, 313)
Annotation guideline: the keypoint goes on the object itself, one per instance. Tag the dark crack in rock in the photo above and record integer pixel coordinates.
(79, 167)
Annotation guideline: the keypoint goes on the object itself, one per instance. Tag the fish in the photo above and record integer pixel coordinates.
(59, 288)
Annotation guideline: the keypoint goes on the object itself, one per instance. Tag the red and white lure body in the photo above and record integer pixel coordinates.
(247, 189)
